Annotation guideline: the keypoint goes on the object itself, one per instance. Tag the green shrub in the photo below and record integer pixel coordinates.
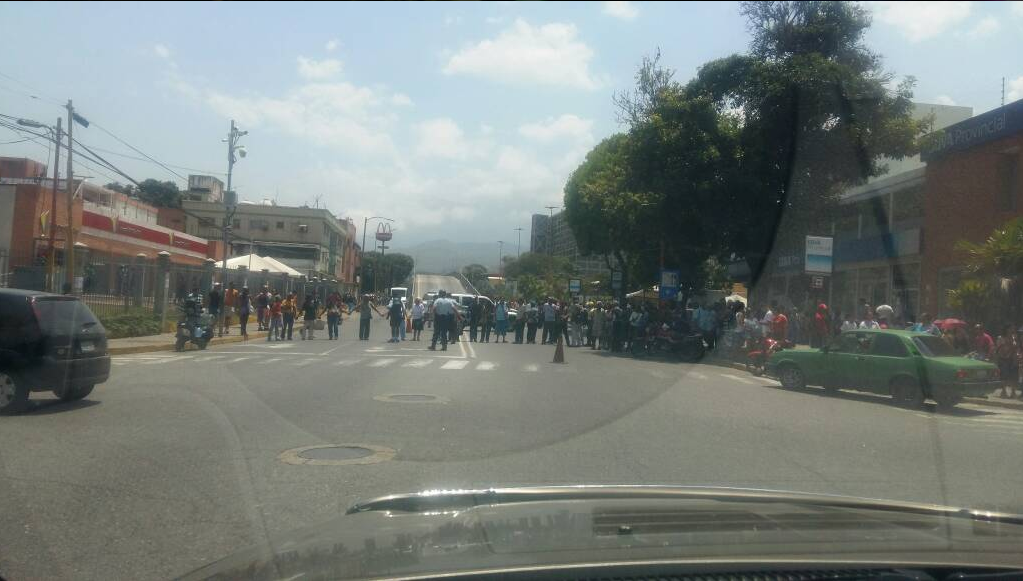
(130, 324)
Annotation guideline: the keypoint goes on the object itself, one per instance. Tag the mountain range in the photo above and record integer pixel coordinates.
(444, 256)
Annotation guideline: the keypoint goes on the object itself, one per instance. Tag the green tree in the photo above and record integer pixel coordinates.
(128, 189)
(973, 299)
(814, 113)
(531, 287)
(536, 264)
(1000, 258)
(379, 274)
(160, 194)
(476, 274)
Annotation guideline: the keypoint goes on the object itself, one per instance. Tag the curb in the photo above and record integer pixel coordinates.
(990, 402)
(129, 350)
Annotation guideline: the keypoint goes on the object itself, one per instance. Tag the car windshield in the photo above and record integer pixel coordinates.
(289, 257)
(934, 347)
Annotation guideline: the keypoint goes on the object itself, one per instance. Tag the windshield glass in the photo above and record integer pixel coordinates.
(934, 347)
(321, 253)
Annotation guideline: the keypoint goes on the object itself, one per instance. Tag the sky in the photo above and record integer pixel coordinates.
(458, 120)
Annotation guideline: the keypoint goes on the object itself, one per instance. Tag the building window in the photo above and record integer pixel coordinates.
(237, 224)
(280, 225)
(909, 204)
(1008, 168)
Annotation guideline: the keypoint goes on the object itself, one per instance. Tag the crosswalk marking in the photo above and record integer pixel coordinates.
(305, 361)
(271, 360)
(738, 378)
(239, 359)
(485, 366)
(210, 358)
(533, 367)
(383, 362)
(346, 362)
(455, 364)
(418, 363)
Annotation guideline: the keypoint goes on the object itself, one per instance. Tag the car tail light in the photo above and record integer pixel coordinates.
(962, 374)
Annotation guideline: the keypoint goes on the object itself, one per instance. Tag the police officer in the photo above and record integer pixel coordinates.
(444, 312)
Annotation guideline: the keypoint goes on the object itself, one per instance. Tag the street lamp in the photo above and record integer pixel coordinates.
(518, 247)
(55, 134)
(362, 256)
(500, 257)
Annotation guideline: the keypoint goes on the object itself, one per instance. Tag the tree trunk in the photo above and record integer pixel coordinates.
(623, 290)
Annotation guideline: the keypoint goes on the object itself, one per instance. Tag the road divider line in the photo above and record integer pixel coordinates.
(455, 364)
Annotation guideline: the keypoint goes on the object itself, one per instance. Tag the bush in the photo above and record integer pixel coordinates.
(130, 324)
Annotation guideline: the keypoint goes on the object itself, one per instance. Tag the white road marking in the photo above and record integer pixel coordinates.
(346, 362)
(279, 345)
(382, 362)
(461, 347)
(698, 375)
(472, 350)
(210, 358)
(306, 361)
(118, 362)
(455, 364)
(271, 360)
(239, 359)
(485, 366)
(418, 363)
(738, 378)
(532, 367)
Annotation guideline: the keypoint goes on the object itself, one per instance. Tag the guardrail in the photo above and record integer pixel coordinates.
(467, 284)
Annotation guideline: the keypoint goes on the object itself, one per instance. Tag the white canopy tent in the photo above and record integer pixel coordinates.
(257, 264)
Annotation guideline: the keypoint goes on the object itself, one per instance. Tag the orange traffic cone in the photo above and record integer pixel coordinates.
(559, 353)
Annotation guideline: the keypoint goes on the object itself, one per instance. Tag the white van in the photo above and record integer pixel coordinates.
(400, 292)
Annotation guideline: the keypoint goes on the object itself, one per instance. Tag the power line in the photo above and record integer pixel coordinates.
(39, 94)
(125, 155)
(139, 151)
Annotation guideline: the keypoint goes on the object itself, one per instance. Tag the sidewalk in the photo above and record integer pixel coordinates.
(991, 400)
(165, 341)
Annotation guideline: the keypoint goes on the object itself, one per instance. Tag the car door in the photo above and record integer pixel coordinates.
(887, 359)
(841, 361)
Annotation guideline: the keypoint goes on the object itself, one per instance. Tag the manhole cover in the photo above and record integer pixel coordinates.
(336, 455)
(410, 398)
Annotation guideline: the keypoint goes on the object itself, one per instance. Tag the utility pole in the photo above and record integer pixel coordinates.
(518, 247)
(57, 140)
(230, 202)
(1003, 91)
(69, 243)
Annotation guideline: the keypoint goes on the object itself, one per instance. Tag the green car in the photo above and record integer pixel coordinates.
(909, 366)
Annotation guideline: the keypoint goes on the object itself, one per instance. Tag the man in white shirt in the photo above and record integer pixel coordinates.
(869, 322)
(768, 319)
(418, 314)
(444, 313)
(549, 315)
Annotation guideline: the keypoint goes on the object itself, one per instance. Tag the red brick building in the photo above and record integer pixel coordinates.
(973, 184)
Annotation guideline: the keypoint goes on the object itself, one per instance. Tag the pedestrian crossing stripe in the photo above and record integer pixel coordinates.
(455, 364)
(210, 358)
(346, 362)
(533, 367)
(485, 366)
(382, 362)
(239, 359)
(271, 360)
(418, 363)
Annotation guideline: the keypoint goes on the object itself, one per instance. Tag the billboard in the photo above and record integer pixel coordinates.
(819, 250)
(669, 286)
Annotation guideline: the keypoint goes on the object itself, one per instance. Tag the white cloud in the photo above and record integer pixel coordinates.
(920, 21)
(944, 100)
(623, 10)
(984, 28)
(1016, 6)
(401, 100)
(549, 54)
(565, 126)
(442, 138)
(338, 115)
(318, 70)
(332, 45)
(161, 51)
(495, 19)
(1015, 89)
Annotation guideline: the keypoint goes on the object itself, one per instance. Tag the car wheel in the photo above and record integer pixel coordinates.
(908, 393)
(947, 401)
(792, 377)
(74, 393)
(13, 393)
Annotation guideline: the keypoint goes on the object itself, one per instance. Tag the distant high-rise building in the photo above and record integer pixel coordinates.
(552, 235)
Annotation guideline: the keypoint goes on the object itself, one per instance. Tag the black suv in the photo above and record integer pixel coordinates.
(48, 343)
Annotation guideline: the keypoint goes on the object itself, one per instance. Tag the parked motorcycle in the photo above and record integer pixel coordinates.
(758, 353)
(194, 325)
(661, 339)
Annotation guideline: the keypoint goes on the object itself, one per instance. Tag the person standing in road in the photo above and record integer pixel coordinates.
(213, 306)
(396, 318)
(486, 319)
(244, 310)
(418, 316)
(289, 308)
(335, 307)
(520, 324)
(578, 324)
(310, 312)
(262, 306)
(230, 300)
(532, 321)
(550, 313)
(366, 307)
(276, 322)
(444, 320)
(819, 335)
(1006, 354)
(501, 320)
(780, 325)
(472, 312)
(597, 320)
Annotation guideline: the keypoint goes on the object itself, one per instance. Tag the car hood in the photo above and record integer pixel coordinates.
(435, 532)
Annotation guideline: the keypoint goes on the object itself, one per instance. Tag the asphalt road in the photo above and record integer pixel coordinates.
(424, 283)
(176, 461)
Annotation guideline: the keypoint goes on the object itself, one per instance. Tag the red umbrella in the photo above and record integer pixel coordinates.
(949, 324)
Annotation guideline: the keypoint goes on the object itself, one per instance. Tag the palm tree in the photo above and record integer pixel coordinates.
(1000, 259)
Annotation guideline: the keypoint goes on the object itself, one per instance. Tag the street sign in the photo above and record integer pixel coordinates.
(616, 280)
(575, 286)
(818, 254)
(818, 282)
(669, 284)
(384, 232)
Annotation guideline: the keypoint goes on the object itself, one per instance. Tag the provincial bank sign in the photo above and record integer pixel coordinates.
(983, 128)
